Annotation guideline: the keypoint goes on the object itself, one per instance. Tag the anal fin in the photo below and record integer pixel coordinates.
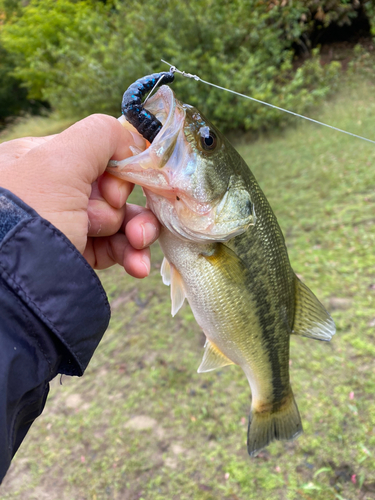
(310, 317)
(213, 358)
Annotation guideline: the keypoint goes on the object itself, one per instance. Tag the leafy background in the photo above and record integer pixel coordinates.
(141, 423)
(78, 56)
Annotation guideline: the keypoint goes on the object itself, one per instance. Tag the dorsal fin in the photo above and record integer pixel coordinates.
(213, 358)
(310, 318)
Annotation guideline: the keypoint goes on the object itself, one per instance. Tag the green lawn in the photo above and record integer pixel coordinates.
(142, 424)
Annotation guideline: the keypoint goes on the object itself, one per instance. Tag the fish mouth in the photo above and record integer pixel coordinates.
(162, 105)
(146, 168)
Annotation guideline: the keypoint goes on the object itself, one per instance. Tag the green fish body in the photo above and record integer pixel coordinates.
(224, 251)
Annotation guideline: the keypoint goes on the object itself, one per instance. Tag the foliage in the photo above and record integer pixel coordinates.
(361, 65)
(13, 95)
(9, 8)
(80, 56)
(13, 98)
(341, 12)
(37, 126)
(370, 11)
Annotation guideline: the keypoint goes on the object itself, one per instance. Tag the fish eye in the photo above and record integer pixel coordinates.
(209, 141)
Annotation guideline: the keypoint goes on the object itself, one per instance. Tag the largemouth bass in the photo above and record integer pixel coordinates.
(224, 252)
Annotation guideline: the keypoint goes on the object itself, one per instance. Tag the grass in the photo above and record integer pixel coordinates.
(36, 126)
(142, 424)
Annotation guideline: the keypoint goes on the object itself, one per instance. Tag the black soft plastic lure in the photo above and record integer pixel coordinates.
(132, 108)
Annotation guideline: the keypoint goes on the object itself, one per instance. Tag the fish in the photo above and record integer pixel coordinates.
(225, 253)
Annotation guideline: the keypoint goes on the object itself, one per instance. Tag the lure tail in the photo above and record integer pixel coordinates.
(132, 108)
(283, 424)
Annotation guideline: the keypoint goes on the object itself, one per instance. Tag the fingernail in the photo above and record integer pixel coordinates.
(139, 141)
(147, 263)
(149, 233)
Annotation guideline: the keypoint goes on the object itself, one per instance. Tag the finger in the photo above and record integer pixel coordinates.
(104, 220)
(105, 252)
(137, 263)
(141, 226)
(91, 143)
(114, 190)
(124, 122)
(143, 230)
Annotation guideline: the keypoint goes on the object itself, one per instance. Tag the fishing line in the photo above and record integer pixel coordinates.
(153, 88)
(173, 69)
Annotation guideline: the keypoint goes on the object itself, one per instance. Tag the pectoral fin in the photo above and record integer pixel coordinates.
(177, 291)
(310, 318)
(213, 358)
(172, 277)
(227, 261)
(165, 272)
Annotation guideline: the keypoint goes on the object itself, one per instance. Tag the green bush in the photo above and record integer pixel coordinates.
(81, 55)
(13, 98)
(341, 12)
(369, 8)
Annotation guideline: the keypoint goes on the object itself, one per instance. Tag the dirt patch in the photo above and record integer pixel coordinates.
(17, 476)
(125, 297)
(339, 304)
(141, 423)
(74, 401)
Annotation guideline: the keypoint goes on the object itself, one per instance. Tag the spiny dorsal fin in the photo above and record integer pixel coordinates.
(213, 358)
(310, 318)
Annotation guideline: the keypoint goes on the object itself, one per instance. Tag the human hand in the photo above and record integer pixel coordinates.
(63, 178)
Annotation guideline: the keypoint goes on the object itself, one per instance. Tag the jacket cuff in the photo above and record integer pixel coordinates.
(51, 277)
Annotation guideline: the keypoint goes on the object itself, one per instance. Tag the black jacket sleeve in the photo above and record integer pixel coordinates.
(53, 314)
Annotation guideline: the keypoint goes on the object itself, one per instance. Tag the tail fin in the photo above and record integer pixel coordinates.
(283, 424)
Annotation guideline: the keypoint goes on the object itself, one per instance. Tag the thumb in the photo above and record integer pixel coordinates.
(88, 145)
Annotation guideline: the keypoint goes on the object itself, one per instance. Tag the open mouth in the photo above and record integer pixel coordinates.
(146, 168)
(162, 106)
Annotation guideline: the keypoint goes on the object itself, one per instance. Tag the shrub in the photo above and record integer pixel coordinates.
(13, 98)
(81, 55)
